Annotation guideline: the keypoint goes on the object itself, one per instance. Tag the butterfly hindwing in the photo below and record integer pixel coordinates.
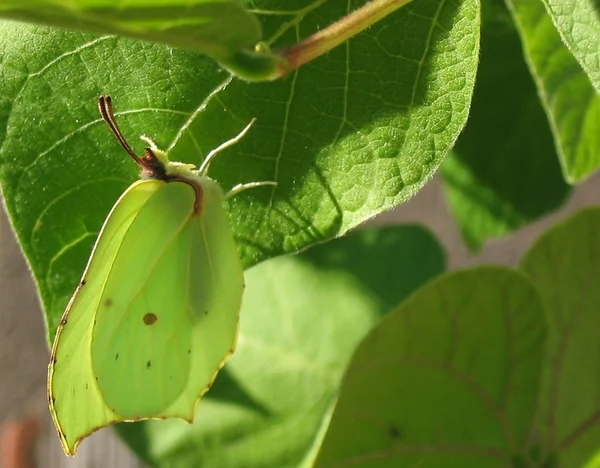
(157, 315)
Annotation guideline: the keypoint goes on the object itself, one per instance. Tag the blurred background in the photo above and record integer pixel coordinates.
(27, 436)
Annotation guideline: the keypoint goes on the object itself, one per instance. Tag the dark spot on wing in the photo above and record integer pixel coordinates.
(189, 351)
(86, 387)
(150, 318)
(148, 364)
(394, 432)
(108, 302)
(96, 378)
(54, 361)
(116, 356)
(53, 400)
(63, 321)
(83, 281)
(206, 312)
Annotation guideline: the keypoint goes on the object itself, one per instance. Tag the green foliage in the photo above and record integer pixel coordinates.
(567, 92)
(564, 266)
(507, 129)
(503, 171)
(477, 334)
(484, 367)
(354, 134)
(301, 320)
(214, 27)
(578, 23)
(222, 29)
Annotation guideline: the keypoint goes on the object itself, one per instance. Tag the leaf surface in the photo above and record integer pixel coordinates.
(572, 103)
(578, 23)
(564, 264)
(346, 137)
(504, 170)
(449, 379)
(301, 319)
(214, 27)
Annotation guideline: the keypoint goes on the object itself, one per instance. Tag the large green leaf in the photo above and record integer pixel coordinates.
(565, 266)
(578, 22)
(504, 170)
(347, 136)
(572, 103)
(449, 379)
(302, 318)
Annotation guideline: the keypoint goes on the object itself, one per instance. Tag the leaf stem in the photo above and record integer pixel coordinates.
(261, 64)
(338, 32)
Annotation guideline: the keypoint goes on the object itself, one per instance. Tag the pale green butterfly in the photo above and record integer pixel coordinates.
(155, 315)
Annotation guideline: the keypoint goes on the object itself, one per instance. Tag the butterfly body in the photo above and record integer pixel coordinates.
(156, 313)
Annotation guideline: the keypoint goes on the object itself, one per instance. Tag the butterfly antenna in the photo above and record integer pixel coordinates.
(105, 108)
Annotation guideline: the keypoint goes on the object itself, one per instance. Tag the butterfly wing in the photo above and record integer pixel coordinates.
(156, 318)
(75, 403)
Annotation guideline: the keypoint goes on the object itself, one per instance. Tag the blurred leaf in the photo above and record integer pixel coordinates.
(564, 264)
(571, 102)
(214, 27)
(448, 379)
(503, 172)
(301, 320)
(348, 136)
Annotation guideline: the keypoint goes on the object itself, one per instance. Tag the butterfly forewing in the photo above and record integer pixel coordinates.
(75, 402)
(142, 333)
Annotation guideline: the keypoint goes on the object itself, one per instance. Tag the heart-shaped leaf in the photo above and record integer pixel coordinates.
(347, 136)
(565, 267)
(448, 379)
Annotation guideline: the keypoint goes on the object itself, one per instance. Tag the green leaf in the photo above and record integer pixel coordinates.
(571, 102)
(214, 27)
(564, 265)
(346, 137)
(301, 320)
(449, 379)
(578, 23)
(503, 172)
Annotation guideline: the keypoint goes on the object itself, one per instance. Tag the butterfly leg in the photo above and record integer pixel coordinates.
(241, 187)
(209, 158)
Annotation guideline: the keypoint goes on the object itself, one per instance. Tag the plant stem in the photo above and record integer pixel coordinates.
(261, 64)
(340, 31)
